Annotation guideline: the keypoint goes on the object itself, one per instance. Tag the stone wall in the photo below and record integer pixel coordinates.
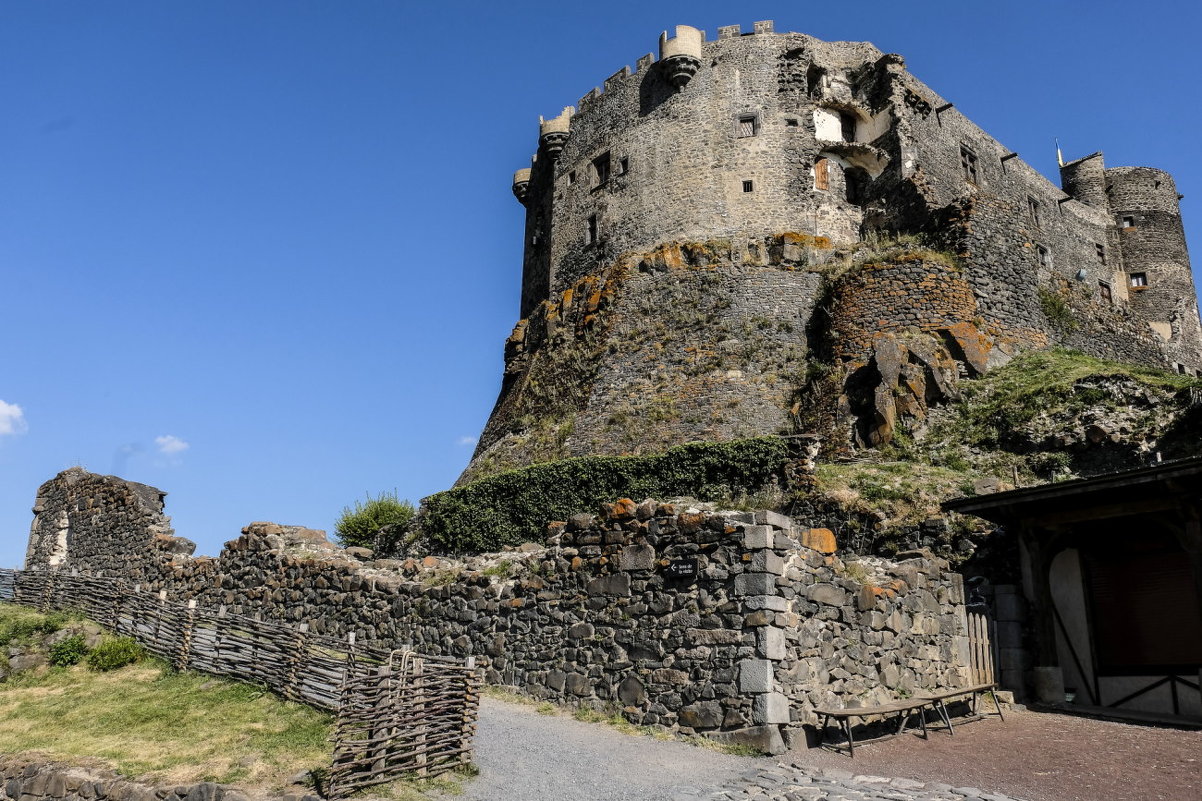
(734, 624)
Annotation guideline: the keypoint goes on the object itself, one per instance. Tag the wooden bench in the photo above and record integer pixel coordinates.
(943, 696)
(904, 710)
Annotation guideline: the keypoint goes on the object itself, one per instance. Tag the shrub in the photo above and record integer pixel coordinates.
(358, 524)
(115, 652)
(69, 651)
(1057, 310)
(515, 506)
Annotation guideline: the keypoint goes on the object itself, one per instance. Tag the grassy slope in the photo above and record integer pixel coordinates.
(1005, 423)
(149, 721)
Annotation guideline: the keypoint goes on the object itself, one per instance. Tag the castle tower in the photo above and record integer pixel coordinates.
(1147, 211)
(698, 241)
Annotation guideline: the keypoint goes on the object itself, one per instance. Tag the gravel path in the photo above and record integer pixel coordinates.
(525, 756)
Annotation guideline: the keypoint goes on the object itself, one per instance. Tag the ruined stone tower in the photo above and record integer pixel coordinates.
(712, 251)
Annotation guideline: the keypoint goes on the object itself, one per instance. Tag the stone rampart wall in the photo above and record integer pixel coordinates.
(763, 624)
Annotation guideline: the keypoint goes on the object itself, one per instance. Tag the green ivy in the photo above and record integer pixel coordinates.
(515, 506)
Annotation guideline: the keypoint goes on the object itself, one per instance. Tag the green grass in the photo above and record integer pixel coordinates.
(902, 492)
(148, 721)
(1039, 383)
(20, 625)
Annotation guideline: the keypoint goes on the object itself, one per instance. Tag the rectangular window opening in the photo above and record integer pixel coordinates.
(624, 166)
(968, 162)
(601, 166)
(748, 186)
(1044, 255)
(1033, 211)
(1104, 292)
(847, 126)
(1101, 254)
(571, 177)
(791, 122)
(822, 175)
(1139, 279)
(590, 235)
(1128, 221)
(748, 125)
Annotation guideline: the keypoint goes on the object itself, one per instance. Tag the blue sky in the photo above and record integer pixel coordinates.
(263, 254)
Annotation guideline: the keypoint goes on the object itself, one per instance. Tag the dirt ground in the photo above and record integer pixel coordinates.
(1041, 756)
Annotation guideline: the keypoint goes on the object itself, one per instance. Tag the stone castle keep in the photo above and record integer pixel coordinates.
(708, 255)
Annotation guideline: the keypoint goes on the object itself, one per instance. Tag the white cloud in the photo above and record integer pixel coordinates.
(467, 440)
(12, 419)
(169, 445)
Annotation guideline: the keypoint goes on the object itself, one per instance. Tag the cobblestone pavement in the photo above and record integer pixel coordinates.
(786, 781)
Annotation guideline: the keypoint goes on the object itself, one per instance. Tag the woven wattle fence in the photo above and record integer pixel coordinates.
(398, 713)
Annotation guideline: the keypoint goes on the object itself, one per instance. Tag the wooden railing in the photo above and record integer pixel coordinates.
(398, 713)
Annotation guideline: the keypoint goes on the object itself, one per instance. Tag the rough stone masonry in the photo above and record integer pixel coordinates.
(730, 624)
(685, 223)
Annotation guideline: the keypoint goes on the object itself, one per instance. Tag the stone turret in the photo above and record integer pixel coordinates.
(553, 133)
(681, 55)
(521, 184)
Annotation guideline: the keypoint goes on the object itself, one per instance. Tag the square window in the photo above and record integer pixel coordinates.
(968, 163)
(1139, 279)
(601, 167)
(749, 125)
(748, 186)
(1128, 221)
(590, 235)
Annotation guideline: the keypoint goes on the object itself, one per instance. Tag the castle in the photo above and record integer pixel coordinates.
(712, 251)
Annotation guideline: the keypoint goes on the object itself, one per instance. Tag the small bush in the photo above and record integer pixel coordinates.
(1057, 310)
(69, 651)
(358, 524)
(115, 652)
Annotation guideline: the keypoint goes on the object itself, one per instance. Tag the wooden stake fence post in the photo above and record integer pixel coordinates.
(471, 702)
(185, 637)
(419, 705)
(296, 656)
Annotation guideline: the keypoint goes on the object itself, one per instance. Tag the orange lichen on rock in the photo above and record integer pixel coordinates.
(819, 539)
